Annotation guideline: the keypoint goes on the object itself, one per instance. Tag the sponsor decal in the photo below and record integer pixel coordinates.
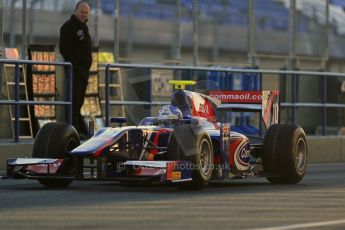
(43, 168)
(242, 157)
(270, 107)
(175, 175)
(80, 34)
(204, 108)
(237, 96)
(240, 148)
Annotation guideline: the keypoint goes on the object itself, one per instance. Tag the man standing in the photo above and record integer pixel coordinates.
(75, 47)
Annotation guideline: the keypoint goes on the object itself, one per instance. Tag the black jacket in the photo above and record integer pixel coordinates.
(75, 43)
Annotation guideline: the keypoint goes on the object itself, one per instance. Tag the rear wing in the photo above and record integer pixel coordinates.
(250, 101)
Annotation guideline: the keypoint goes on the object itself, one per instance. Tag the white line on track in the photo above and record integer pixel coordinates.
(306, 225)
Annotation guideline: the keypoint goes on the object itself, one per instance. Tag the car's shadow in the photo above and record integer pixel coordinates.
(32, 194)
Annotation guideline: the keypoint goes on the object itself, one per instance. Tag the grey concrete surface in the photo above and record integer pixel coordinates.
(10, 149)
(240, 204)
(326, 149)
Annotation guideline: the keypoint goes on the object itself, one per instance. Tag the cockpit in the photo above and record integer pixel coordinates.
(172, 123)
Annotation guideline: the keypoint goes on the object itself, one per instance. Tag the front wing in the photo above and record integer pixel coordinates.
(131, 171)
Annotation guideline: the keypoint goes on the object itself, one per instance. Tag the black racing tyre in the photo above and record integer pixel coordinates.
(285, 154)
(54, 140)
(192, 143)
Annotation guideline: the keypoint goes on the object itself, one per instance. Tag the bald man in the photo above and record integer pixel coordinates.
(75, 47)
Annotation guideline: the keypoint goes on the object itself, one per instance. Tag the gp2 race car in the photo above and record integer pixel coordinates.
(186, 144)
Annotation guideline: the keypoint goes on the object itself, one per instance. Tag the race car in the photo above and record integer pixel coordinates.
(190, 143)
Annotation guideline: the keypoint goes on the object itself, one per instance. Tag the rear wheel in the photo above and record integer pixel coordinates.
(193, 144)
(54, 140)
(285, 154)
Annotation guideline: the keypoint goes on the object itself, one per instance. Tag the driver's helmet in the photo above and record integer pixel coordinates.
(170, 111)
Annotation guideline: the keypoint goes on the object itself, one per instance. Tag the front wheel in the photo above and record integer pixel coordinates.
(55, 140)
(285, 154)
(193, 144)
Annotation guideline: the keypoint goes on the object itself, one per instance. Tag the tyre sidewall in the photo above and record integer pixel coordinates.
(201, 137)
(280, 153)
(291, 169)
(185, 144)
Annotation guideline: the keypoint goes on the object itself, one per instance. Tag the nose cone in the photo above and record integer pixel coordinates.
(101, 139)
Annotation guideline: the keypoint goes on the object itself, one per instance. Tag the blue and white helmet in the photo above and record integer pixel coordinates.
(170, 111)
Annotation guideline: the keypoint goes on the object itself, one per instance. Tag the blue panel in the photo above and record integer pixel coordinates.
(270, 14)
(237, 81)
(338, 2)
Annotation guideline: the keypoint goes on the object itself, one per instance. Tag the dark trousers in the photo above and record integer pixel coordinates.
(80, 81)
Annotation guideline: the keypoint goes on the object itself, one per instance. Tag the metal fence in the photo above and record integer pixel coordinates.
(17, 102)
(290, 106)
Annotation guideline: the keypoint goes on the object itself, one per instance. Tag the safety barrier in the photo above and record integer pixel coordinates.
(17, 102)
(293, 104)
